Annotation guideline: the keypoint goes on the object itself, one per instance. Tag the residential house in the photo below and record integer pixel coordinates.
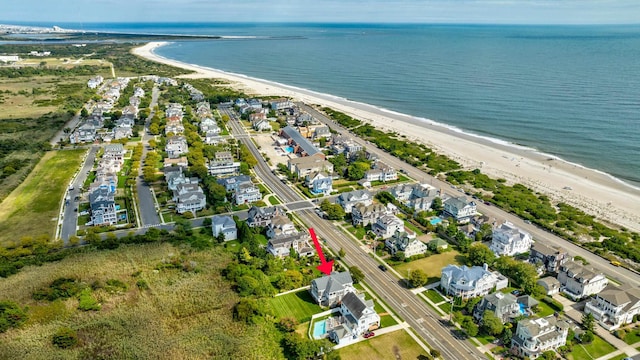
(174, 109)
(181, 161)
(438, 244)
(176, 178)
(319, 183)
(85, 133)
(406, 242)
(547, 258)
(579, 282)
(231, 183)
(535, 336)
(247, 192)
(281, 225)
(363, 214)
(212, 138)
(304, 166)
(359, 317)
(416, 196)
(281, 245)
(130, 111)
(209, 125)
(387, 225)
(467, 282)
(460, 209)
(224, 224)
(300, 144)
(280, 104)
(329, 290)
(189, 197)
(223, 164)
(504, 306)
(349, 199)
(103, 207)
(550, 284)
(121, 132)
(509, 240)
(176, 146)
(173, 126)
(114, 152)
(321, 131)
(614, 307)
(94, 82)
(261, 216)
(381, 172)
(261, 125)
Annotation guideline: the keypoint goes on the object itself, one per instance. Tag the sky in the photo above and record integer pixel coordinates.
(367, 11)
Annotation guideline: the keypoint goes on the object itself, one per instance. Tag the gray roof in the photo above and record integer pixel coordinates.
(617, 296)
(544, 249)
(470, 274)
(458, 202)
(549, 281)
(355, 304)
(268, 212)
(356, 194)
(234, 180)
(224, 220)
(500, 300)
(335, 281)
(300, 140)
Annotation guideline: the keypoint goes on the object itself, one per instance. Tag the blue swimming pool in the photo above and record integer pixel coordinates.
(435, 221)
(288, 149)
(319, 329)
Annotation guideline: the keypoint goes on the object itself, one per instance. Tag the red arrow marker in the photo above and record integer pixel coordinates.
(325, 267)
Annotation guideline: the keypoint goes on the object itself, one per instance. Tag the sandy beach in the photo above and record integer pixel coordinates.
(594, 192)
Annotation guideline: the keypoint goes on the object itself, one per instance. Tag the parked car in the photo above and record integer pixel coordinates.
(369, 334)
(515, 292)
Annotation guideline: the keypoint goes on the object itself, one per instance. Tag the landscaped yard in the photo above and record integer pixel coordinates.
(385, 318)
(298, 305)
(431, 265)
(358, 232)
(37, 200)
(392, 346)
(594, 350)
(434, 296)
(632, 336)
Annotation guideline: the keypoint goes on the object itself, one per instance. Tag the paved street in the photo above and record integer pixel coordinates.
(70, 215)
(146, 201)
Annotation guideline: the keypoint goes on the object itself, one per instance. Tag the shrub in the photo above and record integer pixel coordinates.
(61, 288)
(11, 315)
(65, 338)
(142, 284)
(87, 301)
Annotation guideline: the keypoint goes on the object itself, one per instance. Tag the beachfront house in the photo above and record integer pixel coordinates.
(381, 172)
(387, 225)
(535, 336)
(329, 290)
(460, 209)
(358, 317)
(349, 199)
(579, 282)
(468, 282)
(406, 242)
(614, 307)
(224, 224)
(261, 216)
(231, 183)
(504, 306)
(509, 240)
(548, 259)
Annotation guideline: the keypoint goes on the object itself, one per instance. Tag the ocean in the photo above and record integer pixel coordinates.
(569, 91)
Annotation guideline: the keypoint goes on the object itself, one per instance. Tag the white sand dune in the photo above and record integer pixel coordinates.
(594, 192)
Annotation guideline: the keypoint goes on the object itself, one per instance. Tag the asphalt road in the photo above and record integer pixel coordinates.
(619, 274)
(412, 309)
(70, 215)
(146, 202)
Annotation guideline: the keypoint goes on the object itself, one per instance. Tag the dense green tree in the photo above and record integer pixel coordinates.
(480, 254)
(506, 336)
(469, 326)
(588, 322)
(356, 274)
(471, 304)
(436, 204)
(491, 324)
(549, 355)
(418, 278)
(587, 337)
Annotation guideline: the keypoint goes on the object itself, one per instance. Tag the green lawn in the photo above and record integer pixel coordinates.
(434, 296)
(358, 232)
(273, 200)
(545, 309)
(385, 318)
(298, 305)
(632, 337)
(392, 346)
(37, 199)
(413, 228)
(596, 349)
(619, 357)
(431, 265)
(485, 339)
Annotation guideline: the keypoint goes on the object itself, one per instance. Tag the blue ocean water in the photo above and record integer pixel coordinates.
(570, 91)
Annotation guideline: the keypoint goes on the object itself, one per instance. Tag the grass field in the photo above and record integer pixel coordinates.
(392, 346)
(183, 315)
(298, 305)
(596, 349)
(431, 265)
(32, 208)
(18, 96)
(632, 336)
(434, 296)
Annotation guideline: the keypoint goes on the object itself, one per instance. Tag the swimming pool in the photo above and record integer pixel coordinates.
(319, 329)
(288, 149)
(435, 221)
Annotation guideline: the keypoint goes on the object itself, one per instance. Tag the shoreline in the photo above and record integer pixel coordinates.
(593, 191)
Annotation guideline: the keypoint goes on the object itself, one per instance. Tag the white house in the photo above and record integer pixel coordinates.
(381, 172)
(103, 207)
(329, 290)
(535, 336)
(509, 240)
(247, 192)
(221, 224)
(363, 214)
(387, 225)
(189, 197)
(280, 225)
(406, 242)
(359, 317)
(176, 146)
(579, 282)
(348, 199)
(614, 307)
(281, 245)
(319, 183)
(467, 282)
(460, 209)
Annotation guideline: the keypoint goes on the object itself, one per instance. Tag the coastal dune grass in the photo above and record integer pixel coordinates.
(181, 315)
(31, 210)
